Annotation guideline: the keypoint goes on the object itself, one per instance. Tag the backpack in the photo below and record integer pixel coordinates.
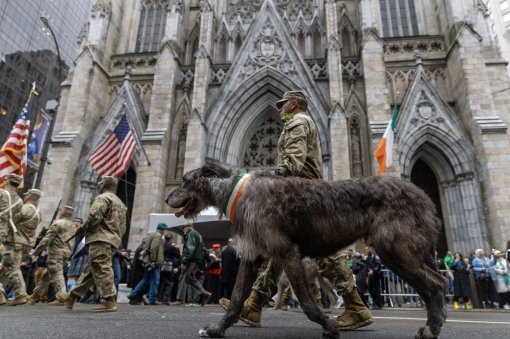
(142, 252)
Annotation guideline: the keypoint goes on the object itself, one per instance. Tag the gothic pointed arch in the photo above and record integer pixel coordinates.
(429, 130)
(358, 135)
(127, 102)
(222, 43)
(178, 139)
(348, 35)
(268, 65)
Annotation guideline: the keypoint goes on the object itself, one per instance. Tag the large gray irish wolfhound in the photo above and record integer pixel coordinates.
(285, 219)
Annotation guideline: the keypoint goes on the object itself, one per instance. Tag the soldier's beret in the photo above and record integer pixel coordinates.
(298, 95)
(68, 210)
(34, 192)
(14, 179)
(108, 181)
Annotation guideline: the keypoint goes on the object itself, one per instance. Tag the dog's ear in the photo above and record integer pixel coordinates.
(209, 172)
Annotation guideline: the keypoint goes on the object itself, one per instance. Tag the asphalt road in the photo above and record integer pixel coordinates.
(42, 321)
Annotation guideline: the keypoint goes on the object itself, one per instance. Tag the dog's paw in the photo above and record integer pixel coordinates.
(425, 333)
(212, 331)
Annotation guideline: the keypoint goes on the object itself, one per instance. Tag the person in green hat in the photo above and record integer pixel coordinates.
(152, 258)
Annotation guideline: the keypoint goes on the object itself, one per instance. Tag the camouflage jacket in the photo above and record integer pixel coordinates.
(299, 151)
(10, 205)
(107, 220)
(55, 240)
(193, 245)
(26, 222)
(154, 244)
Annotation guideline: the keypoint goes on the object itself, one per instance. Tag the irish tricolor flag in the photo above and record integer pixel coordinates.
(384, 152)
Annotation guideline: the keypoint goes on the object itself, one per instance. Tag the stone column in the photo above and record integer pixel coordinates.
(196, 134)
(76, 120)
(100, 19)
(151, 180)
(339, 132)
(174, 23)
(477, 111)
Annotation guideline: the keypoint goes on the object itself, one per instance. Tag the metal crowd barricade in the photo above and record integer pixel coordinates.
(396, 292)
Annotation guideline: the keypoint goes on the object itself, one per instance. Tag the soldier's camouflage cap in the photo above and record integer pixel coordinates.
(34, 192)
(68, 210)
(299, 95)
(108, 181)
(14, 179)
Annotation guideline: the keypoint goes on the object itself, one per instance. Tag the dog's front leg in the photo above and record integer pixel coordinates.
(295, 272)
(245, 278)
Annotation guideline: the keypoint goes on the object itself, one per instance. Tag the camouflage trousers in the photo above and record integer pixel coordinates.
(334, 268)
(54, 275)
(11, 273)
(98, 271)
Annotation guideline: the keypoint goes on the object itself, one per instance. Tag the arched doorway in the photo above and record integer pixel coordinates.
(423, 177)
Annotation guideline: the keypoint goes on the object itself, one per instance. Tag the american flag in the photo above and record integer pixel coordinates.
(114, 155)
(13, 154)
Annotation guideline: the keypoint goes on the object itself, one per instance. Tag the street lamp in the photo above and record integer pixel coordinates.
(47, 24)
(54, 107)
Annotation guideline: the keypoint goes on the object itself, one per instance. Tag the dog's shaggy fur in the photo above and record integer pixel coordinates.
(286, 219)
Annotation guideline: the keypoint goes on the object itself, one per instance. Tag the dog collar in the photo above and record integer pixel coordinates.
(238, 185)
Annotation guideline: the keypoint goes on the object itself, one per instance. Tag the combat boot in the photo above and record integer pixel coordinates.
(252, 308)
(18, 301)
(356, 314)
(110, 305)
(56, 302)
(456, 305)
(33, 299)
(67, 299)
(2, 299)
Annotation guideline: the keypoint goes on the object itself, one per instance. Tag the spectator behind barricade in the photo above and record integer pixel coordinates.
(152, 257)
(461, 283)
(168, 270)
(448, 261)
(482, 267)
(374, 277)
(214, 273)
(230, 266)
(394, 289)
(359, 268)
(502, 280)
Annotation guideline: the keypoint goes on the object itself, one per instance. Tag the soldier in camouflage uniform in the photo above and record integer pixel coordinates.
(10, 206)
(20, 243)
(299, 155)
(59, 249)
(104, 229)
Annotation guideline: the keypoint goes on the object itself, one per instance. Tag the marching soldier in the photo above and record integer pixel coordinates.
(10, 206)
(59, 249)
(20, 243)
(103, 234)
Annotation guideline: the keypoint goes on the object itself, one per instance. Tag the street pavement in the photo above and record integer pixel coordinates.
(43, 321)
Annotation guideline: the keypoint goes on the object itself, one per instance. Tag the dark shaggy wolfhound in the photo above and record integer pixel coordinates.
(286, 219)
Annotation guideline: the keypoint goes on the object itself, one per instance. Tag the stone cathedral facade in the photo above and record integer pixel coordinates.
(198, 81)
